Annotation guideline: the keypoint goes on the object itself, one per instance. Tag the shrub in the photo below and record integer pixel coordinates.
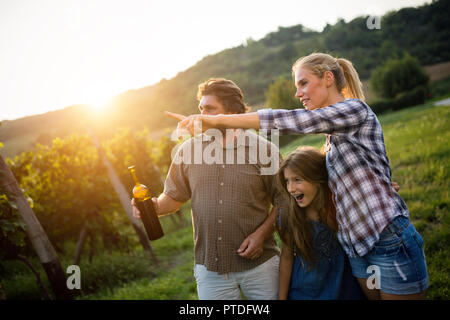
(281, 94)
(398, 76)
(406, 99)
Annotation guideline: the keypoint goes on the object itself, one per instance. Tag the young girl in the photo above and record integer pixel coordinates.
(312, 264)
(373, 220)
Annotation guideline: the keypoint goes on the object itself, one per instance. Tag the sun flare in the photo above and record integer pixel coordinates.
(97, 107)
(99, 101)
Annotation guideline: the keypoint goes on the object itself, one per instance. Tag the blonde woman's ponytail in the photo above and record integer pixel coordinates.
(346, 78)
(353, 88)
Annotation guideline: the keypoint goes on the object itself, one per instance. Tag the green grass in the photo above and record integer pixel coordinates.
(307, 140)
(173, 279)
(417, 143)
(174, 282)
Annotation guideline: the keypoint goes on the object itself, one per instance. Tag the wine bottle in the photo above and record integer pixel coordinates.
(143, 200)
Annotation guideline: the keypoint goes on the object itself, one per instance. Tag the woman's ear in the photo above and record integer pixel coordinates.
(328, 76)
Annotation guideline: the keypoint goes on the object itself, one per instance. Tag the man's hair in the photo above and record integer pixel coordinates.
(226, 91)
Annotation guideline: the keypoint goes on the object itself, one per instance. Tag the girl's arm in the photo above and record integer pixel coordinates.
(285, 270)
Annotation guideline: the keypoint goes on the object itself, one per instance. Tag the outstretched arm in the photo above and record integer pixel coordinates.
(241, 120)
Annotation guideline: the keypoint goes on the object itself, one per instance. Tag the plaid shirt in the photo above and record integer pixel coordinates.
(358, 168)
(229, 201)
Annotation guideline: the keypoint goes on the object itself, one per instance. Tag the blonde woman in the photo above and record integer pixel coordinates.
(373, 220)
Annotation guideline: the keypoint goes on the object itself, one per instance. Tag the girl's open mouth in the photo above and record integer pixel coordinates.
(300, 197)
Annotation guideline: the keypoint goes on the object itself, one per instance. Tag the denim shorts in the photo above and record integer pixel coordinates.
(396, 264)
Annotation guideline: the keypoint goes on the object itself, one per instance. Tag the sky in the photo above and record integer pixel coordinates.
(57, 53)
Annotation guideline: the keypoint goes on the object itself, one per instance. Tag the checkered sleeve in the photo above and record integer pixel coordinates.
(340, 117)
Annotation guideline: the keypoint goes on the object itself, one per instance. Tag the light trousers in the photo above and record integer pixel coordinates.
(260, 283)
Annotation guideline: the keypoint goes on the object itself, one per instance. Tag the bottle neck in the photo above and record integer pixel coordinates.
(133, 175)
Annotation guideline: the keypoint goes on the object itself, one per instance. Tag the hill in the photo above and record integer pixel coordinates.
(253, 66)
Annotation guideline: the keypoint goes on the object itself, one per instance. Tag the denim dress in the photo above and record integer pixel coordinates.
(330, 278)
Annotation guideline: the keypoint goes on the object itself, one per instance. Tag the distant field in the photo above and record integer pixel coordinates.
(18, 144)
(438, 71)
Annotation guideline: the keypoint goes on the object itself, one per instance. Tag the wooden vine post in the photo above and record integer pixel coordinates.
(41, 244)
(124, 199)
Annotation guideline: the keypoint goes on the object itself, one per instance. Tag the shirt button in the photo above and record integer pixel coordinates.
(220, 238)
(221, 183)
(216, 259)
(223, 166)
(220, 201)
(220, 220)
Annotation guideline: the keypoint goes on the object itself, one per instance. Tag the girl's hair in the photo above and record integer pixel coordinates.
(226, 91)
(309, 164)
(345, 76)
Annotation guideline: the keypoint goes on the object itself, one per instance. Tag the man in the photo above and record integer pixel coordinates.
(230, 199)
